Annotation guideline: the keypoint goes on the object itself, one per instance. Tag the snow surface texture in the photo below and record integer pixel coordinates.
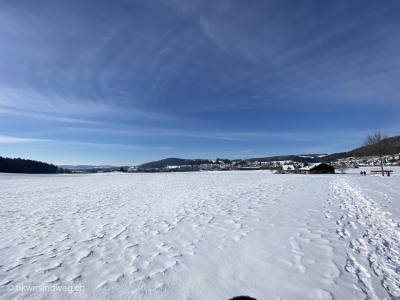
(202, 235)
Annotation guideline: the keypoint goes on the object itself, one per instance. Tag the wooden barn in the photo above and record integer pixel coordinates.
(319, 168)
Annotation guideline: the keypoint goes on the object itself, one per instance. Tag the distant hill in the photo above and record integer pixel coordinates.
(180, 162)
(298, 158)
(309, 158)
(18, 165)
(175, 162)
(361, 151)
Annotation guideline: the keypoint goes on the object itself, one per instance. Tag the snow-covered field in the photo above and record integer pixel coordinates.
(203, 235)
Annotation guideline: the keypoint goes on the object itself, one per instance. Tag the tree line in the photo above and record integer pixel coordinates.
(19, 165)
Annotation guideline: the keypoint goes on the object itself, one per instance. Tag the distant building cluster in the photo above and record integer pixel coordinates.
(279, 167)
(242, 165)
(388, 160)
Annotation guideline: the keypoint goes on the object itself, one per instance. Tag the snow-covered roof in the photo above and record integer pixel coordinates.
(172, 167)
(310, 167)
(287, 167)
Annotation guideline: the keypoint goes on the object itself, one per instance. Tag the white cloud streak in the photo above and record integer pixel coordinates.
(15, 140)
(30, 103)
(244, 136)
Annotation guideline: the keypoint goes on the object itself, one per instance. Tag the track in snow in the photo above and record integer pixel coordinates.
(375, 245)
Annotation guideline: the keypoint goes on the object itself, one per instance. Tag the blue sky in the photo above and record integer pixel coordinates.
(126, 82)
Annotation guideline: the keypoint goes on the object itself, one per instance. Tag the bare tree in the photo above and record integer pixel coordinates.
(342, 168)
(378, 144)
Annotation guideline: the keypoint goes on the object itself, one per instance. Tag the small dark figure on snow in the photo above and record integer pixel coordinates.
(365, 173)
(361, 173)
(388, 174)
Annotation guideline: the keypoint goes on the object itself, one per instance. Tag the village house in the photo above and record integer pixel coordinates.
(288, 169)
(319, 168)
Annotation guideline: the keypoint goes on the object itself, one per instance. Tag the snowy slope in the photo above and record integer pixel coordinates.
(204, 235)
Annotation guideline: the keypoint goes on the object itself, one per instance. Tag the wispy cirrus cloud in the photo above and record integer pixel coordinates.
(238, 136)
(117, 146)
(30, 103)
(244, 136)
(45, 116)
(209, 75)
(14, 140)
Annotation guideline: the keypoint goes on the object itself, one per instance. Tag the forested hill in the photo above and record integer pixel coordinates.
(363, 151)
(177, 162)
(310, 158)
(18, 165)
